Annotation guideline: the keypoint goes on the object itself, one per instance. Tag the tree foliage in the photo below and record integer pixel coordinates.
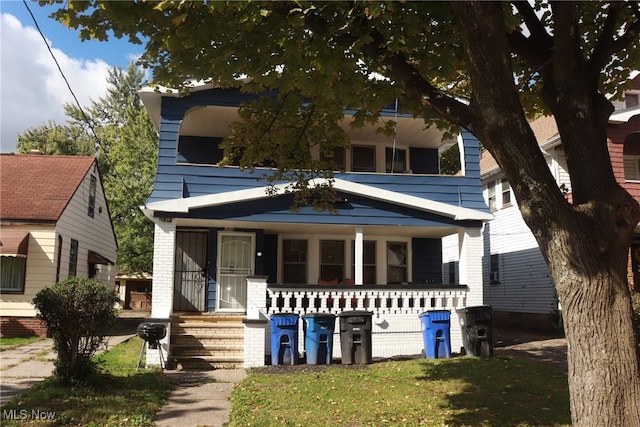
(117, 130)
(484, 66)
(79, 313)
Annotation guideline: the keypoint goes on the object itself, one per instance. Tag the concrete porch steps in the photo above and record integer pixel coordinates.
(206, 341)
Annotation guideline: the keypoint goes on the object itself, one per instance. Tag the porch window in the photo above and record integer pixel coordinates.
(452, 272)
(294, 261)
(73, 258)
(363, 158)
(12, 273)
(368, 262)
(395, 160)
(332, 261)
(396, 262)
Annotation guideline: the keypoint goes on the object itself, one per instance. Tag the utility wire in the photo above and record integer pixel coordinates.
(88, 122)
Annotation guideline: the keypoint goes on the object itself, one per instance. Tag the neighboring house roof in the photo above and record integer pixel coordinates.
(36, 187)
(544, 129)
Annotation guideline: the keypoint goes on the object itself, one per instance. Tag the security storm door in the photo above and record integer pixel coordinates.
(189, 289)
(235, 263)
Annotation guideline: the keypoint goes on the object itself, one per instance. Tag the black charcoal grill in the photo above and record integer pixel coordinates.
(151, 333)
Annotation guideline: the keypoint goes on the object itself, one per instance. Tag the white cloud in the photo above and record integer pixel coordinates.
(33, 89)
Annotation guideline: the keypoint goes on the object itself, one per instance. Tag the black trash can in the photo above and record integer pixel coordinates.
(284, 339)
(477, 335)
(318, 337)
(355, 337)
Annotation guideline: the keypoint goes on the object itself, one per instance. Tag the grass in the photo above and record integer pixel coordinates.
(120, 396)
(463, 391)
(13, 342)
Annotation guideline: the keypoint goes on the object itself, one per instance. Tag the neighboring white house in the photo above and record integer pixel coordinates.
(55, 223)
(516, 279)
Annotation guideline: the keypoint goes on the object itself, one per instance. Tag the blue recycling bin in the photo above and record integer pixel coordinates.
(284, 339)
(436, 333)
(318, 337)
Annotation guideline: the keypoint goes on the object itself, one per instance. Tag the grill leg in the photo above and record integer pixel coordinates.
(162, 363)
(140, 356)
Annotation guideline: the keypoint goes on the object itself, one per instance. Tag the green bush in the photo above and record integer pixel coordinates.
(79, 313)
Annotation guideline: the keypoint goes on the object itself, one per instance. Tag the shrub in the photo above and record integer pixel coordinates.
(79, 313)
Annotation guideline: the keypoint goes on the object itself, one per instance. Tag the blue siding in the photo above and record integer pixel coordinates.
(175, 181)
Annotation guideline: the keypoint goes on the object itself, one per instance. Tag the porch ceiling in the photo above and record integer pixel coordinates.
(337, 229)
(215, 121)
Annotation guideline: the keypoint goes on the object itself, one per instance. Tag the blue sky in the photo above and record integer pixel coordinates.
(32, 88)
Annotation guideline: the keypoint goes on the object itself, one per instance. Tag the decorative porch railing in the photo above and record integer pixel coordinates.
(379, 299)
(396, 327)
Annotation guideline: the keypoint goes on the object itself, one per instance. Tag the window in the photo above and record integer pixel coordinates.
(338, 160)
(631, 168)
(395, 160)
(494, 270)
(452, 272)
(363, 158)
(12, 273)
(294, 261)
(631, 100)
(491, 191)
(58, 263)
(332, 261)
(506, 192)
(396, 262)
(73, 258)
(368, 262)
(92, 196)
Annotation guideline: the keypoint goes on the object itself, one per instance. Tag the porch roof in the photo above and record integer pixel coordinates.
(185, 205)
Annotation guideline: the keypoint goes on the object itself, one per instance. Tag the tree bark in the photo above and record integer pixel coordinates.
(585, 244)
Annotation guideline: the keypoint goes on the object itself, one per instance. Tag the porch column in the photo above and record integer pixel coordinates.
(470, 264)
(358, 256)
(162, 291)
(256, 323)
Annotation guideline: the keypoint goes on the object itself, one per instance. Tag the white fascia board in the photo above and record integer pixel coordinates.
(393, 197)
(183, 205)
(623, 116)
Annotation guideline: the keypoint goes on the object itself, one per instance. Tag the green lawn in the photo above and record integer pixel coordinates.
(119, 397)
(12, 342)
(463, 391)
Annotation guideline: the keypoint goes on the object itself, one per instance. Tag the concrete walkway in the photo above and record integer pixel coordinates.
(199, 398)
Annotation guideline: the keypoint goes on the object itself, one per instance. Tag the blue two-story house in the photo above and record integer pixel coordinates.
(228, 251)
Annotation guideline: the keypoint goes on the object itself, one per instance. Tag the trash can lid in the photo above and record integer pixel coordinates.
(283, 315)
(355, 313)
(318, 315)
(432, 312)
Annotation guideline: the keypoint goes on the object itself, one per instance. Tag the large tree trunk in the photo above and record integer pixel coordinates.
(586, 243)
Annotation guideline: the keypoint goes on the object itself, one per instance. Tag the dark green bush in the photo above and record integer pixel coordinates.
(79, 313)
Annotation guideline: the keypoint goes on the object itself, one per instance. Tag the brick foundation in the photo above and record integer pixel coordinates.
(22, 327)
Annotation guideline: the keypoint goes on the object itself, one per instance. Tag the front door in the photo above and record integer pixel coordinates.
(235, 263)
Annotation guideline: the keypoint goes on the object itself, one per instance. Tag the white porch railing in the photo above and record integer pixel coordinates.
(396, 326)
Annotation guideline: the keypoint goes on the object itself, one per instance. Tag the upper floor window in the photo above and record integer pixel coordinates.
(506, 191)
(631, 100)
(363, 158)
(92, 196)
(338, 160)
(395, 160)
(498, 194)
(294, 261)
